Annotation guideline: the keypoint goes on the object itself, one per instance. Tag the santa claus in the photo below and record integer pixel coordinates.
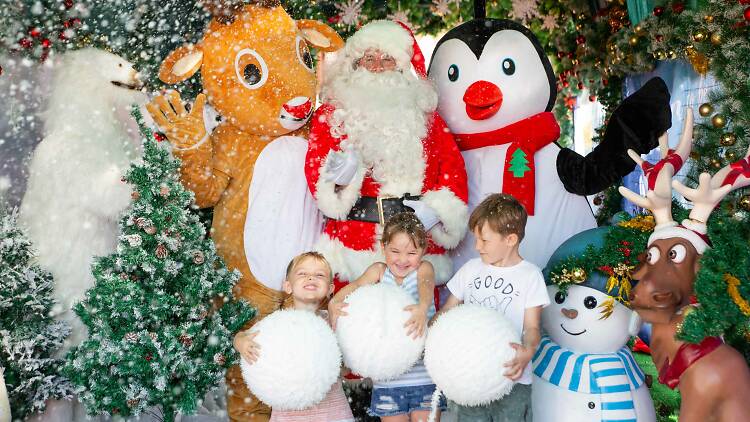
(378, 147)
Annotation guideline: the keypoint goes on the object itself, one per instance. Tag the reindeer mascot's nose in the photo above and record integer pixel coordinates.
(483, 100)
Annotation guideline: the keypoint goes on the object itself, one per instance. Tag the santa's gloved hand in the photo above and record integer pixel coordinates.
(341, 166)
(426, 215)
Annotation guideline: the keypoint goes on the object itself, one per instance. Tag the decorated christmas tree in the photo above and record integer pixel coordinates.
(161, 316)
(29, 337)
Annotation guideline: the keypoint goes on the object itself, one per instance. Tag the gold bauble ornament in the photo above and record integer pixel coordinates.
(718, 121)
(705, 109)
(715, 163)
(708, 18)
(660, 54)
(578, 275)
(716, 38)
(633, 40)
(744, 202)
(730, 156)
(695, 156)
(671, 54)
(698, 60)
(699, 35)
(639, 29)
(728, 139)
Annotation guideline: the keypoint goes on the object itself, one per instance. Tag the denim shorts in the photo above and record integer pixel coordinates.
(403, 400)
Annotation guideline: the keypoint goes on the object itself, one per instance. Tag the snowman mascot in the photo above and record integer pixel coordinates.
(583, 370)
(496, 90)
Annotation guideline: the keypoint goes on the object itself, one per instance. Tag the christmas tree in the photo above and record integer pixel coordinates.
(28, 335)
(161, 316)
(518, 163)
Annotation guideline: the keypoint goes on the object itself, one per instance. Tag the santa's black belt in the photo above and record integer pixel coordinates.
(379, 209)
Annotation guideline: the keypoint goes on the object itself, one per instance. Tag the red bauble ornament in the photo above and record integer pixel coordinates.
(744, 2)
(148, 357)
(658, 11)
(580, 39)
(68, 4)
(747, 13)
(659, 38)
(35, 32)
(605, 82)
(580, 85)
(560, 54)
(592, 98)
(571, 55)
(46, 43)
(159, 137)
(678, 7)
(566, 84)
(25, 43)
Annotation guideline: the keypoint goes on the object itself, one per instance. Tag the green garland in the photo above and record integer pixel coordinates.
(615, 259)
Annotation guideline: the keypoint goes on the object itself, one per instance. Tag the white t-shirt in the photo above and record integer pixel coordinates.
(509, 290)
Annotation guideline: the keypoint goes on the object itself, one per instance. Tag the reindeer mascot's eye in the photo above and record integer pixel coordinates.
(251, 69)
(509, 67)
(677, 253)
(653, 255)
(303, 54)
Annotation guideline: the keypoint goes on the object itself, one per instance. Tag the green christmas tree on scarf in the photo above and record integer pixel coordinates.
(518, 163)
(161, 317)
(29, 337)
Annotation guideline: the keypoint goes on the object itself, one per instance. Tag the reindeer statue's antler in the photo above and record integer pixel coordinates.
(712, 189)
(658, 197)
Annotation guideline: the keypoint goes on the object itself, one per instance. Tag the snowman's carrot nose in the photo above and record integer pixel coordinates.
(569, 313)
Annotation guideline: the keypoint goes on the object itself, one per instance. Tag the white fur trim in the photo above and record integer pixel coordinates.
(680, 232)
(336, 205)
(386, 36)
(453, 214)
(349, 264)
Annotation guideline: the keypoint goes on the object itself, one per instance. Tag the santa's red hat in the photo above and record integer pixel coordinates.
(391, 37)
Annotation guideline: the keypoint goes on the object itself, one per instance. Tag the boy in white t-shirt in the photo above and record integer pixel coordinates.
(500, 279)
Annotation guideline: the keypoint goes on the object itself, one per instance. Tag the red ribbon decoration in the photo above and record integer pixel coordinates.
(652, 171)
(739, 168)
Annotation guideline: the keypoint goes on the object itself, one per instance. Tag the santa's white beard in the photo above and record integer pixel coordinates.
(385, 116)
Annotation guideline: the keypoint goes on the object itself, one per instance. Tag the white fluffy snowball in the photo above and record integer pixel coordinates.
(299, 360)
(373, 337)
(465, 352)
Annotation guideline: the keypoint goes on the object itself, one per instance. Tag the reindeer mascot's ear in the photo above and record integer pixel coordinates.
(320, 35)
(181, 64)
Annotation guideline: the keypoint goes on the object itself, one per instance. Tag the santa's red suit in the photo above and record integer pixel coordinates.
(429, 166)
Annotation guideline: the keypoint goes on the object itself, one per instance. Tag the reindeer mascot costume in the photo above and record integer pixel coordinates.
(258, 73)
(713, 378)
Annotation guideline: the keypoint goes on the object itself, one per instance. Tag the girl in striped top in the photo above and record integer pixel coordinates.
(404, 241)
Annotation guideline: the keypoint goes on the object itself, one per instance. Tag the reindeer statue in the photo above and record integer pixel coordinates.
(713, 378)
(258, 74)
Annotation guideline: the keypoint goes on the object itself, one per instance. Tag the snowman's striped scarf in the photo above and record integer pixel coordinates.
(613, 376)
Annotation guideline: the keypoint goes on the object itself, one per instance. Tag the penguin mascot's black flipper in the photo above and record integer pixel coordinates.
(636, 124)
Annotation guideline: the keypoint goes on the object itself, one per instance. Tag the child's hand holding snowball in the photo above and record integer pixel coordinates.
(416, 325)
(244, 342)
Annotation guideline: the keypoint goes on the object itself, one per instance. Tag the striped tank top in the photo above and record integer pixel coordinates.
(417, 375)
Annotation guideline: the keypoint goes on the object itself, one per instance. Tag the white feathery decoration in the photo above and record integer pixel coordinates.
(465, 351)
(299, 360)
(372, 336)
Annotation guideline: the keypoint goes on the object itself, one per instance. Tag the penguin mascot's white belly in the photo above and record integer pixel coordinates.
(558, 214)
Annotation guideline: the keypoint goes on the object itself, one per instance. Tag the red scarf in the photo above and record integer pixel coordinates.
(525, 137)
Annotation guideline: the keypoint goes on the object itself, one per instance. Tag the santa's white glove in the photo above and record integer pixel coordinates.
(341, 166)
(426, 215)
